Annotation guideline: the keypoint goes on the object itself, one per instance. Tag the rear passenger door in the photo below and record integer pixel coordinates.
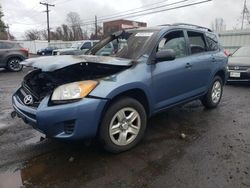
(200, 61)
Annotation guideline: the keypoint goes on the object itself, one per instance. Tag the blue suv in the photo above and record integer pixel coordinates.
(111, 97)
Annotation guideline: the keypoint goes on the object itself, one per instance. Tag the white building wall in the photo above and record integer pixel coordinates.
(232, 40)
(35, 45)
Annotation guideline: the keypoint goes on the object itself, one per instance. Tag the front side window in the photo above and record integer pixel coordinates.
(196, 42)
(86, 45)
(174, 41)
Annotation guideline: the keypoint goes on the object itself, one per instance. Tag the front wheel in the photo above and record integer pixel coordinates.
(123, 125)
(14, 65)
(214, 94)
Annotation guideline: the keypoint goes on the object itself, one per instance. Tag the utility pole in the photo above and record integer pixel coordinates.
(243, 17)
(47, 11)
(96, 27)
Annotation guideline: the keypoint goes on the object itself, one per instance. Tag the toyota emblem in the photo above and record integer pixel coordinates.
(236, 68)
(28, 100)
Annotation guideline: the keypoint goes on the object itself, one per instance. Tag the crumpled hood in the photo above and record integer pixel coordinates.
(52, 63)
(239, 61)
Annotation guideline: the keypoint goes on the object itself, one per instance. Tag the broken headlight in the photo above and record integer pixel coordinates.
(75, 90)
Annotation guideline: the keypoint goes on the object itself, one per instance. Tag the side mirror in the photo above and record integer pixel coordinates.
(165, 55)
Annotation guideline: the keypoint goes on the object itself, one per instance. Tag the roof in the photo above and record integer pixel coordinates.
(176, 25)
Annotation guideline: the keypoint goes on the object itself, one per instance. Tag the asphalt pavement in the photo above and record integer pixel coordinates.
(186, 146)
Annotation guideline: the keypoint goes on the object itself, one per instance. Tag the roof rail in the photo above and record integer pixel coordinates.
(192, 25)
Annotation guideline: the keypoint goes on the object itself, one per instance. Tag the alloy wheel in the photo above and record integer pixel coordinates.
(216, 92)
(124, 126)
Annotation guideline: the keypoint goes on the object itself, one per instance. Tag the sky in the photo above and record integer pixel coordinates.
(22, 15)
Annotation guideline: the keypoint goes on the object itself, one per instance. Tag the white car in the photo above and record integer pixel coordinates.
(77, 47)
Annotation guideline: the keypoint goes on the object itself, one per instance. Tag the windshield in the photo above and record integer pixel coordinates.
(76, 45)
(242, 52)
(125, 44)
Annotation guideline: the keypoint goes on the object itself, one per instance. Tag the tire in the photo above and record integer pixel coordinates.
(118, 132)
(213, 97)
(13, 64)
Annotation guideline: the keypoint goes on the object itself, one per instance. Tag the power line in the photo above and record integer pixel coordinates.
(135, 14)
(138, 8)
(47, 11)
(121, 14)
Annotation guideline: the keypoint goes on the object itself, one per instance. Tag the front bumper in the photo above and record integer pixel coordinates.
(243, 76)
(73, 121)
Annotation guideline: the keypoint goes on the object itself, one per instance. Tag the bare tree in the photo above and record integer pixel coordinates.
(219, 25)
(3, 33)
(74, 20)
(67, 32)
(33, 35)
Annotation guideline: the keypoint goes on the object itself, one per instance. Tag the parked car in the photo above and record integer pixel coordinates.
(111, 97)
(239, 65)
(11, 54)
(77, 48)
(46, 51)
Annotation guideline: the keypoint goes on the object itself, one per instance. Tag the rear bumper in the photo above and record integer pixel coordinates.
(72, 121)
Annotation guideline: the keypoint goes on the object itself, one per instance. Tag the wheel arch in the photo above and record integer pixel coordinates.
(13, 56)
(135, 93)
(221, 73)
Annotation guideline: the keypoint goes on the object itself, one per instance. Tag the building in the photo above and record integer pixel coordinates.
(117, 25)
(232, 40)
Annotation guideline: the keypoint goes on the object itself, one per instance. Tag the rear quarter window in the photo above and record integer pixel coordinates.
(6, 45)
(212, 42)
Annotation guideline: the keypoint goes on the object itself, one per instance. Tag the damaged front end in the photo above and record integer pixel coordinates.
(43, 89)
(39, 83)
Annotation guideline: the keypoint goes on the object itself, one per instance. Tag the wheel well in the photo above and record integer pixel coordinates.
(221, 74)
(14, 56)
(137, 94)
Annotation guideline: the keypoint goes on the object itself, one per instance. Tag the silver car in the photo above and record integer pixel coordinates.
(239, 65)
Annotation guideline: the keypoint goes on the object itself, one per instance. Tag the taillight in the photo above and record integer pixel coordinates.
(226, 53)
(25, 50)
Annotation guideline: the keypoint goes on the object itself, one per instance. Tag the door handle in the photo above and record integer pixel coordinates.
(213, 59)
(188, 65)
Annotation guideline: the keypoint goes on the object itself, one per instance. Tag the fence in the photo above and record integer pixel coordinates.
(232, 40)
(35, 45)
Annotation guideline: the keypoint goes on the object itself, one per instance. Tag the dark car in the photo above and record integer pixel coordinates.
(11, 54)
(239, 65)
(112, 97)
(46, 51)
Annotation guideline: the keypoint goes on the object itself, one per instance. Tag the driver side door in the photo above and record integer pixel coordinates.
(171, 79)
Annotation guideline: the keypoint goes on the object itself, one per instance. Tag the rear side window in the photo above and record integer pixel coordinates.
(212, 42)
(6, 45)
(197, 42)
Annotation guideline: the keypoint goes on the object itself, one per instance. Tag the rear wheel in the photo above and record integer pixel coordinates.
(14, 65)
(123, 125)
(213, 96)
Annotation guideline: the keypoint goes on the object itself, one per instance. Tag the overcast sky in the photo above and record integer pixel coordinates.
(22, 15)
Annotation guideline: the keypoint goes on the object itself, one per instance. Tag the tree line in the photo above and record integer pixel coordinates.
(70, 31)
(4, 34)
